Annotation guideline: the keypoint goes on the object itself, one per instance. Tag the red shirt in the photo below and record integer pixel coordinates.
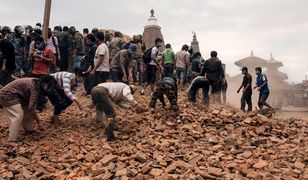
(42, 66)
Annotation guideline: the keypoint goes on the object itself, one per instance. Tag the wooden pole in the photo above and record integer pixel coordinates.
(46, 19)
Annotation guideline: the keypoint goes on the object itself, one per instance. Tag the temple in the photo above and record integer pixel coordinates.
(280, 89)
(195, 43)
(151, 31)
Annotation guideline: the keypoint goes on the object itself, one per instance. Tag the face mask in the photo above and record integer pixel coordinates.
(40, 46)
(158, 44)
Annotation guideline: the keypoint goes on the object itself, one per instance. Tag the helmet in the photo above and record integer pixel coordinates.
(37, 30)
(72, 29)
(94, 30)
(19, 30)
(136, 38)
(6, 29)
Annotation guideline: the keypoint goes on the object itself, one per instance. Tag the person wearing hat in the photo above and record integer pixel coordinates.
(121, 64)
(117, 92)
(247, 90)
(167, 86)
(19, 42)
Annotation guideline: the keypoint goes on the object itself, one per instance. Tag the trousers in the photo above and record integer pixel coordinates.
(17, 118)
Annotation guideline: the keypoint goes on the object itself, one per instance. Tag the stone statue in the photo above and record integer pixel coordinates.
(152, 13)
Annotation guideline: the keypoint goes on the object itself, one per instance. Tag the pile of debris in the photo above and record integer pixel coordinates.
(218, 143)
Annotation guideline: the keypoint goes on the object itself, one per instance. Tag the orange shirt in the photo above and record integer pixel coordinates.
(42, 66)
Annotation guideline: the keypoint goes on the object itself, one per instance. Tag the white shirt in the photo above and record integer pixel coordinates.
(120, 93)
(102, 50)
(52, 45)
(155, 53)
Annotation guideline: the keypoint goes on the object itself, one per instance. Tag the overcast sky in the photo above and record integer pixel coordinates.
(232, 27)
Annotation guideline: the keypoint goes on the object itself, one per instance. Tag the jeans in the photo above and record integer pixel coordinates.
(18, 62)
(5, 77)
(262, 99)
(88, 82)
(59, 100)
(215, 89)
(41, 98)
(116, 75)
(77, 62)
(195, 86)
(246, 99)
(100, 77)
(138, 71)
(168, 70)
(64, 58)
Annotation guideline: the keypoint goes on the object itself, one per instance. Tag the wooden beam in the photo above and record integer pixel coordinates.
(46, 19)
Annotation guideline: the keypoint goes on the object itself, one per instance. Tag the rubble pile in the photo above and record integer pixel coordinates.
(218, 143)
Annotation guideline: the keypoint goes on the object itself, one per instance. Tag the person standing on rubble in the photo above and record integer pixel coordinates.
(262, 85)
(182, 58)
(7, 59)
(152, 65)
(168, 61)
(101, 68)
(87, 63)
(214, 72)
(116, 44)
(78, 47)
(121, 94)
(137, 62)
(247, 91)
(64, 46)
(167, 86)
(19, 42)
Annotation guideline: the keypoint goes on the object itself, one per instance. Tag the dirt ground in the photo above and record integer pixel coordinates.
(219, 143)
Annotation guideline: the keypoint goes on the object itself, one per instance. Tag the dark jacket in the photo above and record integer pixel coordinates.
(89, 59)
(170, 81)
(8, 54)
(213, 69)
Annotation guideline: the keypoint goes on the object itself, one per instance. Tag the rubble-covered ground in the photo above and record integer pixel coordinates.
(222, 143)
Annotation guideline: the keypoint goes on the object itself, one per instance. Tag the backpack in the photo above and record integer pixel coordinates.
(126, 45)
(147, 56)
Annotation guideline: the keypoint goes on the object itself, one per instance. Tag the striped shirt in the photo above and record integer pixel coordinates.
(67, 81)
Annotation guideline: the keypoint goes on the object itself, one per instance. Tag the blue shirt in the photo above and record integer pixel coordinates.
(260, 80)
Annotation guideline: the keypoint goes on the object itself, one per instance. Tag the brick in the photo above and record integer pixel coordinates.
(108, 158)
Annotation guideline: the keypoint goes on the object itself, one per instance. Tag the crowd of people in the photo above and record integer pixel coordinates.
(34, 71)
